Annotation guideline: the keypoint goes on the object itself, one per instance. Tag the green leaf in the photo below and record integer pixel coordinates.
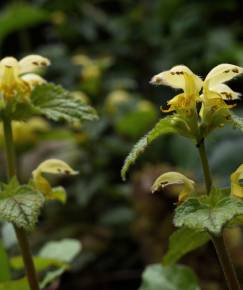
(21, 284)
(58, 254)
(209, 213)
(64, 250)
(51, 276)
(5, 271)
(18, 16)
(158, 277)
(57, 104)
(183, 241)
(136, 123)
(164, 126)
(20, 205)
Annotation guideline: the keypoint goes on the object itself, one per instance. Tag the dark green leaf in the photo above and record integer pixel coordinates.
(5, 271)
(183, 241)
(20, 284)
(209, 213)
(20, 205)
(164, 126)
(136, 123)
(18, 16)
(158, 277)
(57, 104)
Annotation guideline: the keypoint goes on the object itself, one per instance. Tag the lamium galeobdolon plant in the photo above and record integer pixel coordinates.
(201, 107)
(24, 94)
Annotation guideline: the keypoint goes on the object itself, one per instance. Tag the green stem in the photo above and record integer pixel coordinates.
(205, 166)
(20, 233)
(219, 243)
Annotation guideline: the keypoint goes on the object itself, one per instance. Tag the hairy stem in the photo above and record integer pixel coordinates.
(219, 243)
(20, 233)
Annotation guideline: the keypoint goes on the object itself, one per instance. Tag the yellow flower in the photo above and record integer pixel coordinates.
(214, 81)
(17, 77)
(90, 67)
(213, 85)
(236, 177)
(175, 178)
(180, 77)
(26, 132)
(51, 166)
(215, 92)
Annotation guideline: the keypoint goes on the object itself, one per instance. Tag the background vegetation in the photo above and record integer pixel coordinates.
(106, 52)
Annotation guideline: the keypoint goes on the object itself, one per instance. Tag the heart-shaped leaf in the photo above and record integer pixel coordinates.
(20, 205)
(209, 213)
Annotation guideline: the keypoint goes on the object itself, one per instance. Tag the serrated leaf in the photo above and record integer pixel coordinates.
(57, 104)
(20, 284)
(183, 241)
(21, 206)
(176, 277)
(209, 213)
(164, 126)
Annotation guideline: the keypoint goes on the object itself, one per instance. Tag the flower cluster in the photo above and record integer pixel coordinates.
(18, 78)
(201, 107)
(211, 92)
(188, 185)
(50, 166)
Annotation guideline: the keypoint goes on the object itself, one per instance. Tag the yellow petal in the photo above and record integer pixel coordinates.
(52, 166)
(178, 77)
(31, 63)
(226, 92)
(9, 63)
(33, 80)
(222, 73)
(9, 70)
(55, 166)
(173, 178)
(235, 177)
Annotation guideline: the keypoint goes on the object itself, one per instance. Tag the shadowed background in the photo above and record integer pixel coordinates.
(106, 52)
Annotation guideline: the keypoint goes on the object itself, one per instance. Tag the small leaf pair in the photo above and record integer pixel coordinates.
(188, 185)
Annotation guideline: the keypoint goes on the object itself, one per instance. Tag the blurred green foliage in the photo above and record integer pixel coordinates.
(106, 51)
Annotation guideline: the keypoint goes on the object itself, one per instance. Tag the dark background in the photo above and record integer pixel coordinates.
(108, 51)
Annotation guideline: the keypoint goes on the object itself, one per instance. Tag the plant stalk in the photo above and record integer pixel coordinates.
(20, 233)
(205, 166)
(218, 241)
